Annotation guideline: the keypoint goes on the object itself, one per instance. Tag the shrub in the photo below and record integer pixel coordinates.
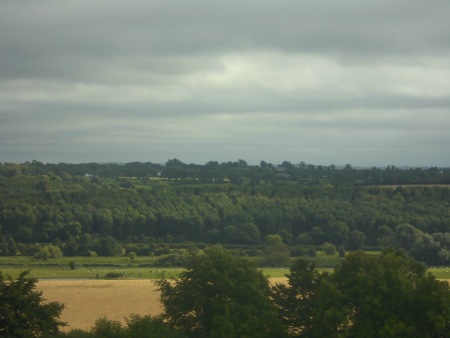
(341, 251)
(104, 327)
(329, 248)
(312, 251)
(48, 251)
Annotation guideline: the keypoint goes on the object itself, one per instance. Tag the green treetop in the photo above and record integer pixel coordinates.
(217, 294)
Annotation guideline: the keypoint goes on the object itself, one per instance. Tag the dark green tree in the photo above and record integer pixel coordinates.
(356, 240)
(385, 295)
(219, 292)
(297, 299)
(243, 233)
(136, 326)
(385, 236)
(149, 327)
(104, 327)
(108, 246)
(336, 232)
(406, 236)
(275, 253)
(23, 312)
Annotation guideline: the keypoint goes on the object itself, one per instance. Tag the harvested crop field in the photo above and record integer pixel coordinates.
(87, 300)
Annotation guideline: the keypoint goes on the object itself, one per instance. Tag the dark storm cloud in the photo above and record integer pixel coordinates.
(341, 81)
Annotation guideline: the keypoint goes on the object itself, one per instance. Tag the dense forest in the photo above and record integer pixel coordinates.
(99, 208)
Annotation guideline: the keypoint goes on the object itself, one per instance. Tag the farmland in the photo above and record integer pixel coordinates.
(87, 300)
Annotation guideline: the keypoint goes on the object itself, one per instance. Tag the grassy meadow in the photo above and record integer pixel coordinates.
(86, 267)
(141, 267)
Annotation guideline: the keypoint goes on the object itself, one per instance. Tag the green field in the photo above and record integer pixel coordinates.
(129, 273)
(100, 272)
(441, 273)
(142, 267)
(85, 267)
(79, 260)
(98, 267)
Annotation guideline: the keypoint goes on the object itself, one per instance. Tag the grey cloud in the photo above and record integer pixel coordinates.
(329, 81)
(44, 37)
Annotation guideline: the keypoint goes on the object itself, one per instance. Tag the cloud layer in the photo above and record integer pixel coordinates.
(322, 82)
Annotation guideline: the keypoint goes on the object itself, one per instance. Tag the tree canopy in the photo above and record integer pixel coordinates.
(385, 295)
(23, 312)
(220, 295)
(81, 214)
(91, 208)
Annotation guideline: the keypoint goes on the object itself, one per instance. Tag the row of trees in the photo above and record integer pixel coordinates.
(238, 172)
(220, 295)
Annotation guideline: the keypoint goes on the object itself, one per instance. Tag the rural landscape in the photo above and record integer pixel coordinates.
(224, 169)
(118, 248)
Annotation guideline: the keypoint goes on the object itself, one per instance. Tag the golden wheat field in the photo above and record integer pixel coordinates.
(87, 300)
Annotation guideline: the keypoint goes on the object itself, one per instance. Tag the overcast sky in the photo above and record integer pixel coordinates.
(359, 82)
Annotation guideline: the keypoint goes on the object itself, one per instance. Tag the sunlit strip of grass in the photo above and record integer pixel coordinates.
(100, 272)
(79, 260)
(441, 273)
(282, 272)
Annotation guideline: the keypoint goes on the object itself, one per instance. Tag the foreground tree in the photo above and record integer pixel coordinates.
(220, 295)
(385, 295)
(296, 299)
(135, 326)
(390, 295)
(22, 311)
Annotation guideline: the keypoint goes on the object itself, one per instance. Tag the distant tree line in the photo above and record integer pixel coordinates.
(239, 172)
